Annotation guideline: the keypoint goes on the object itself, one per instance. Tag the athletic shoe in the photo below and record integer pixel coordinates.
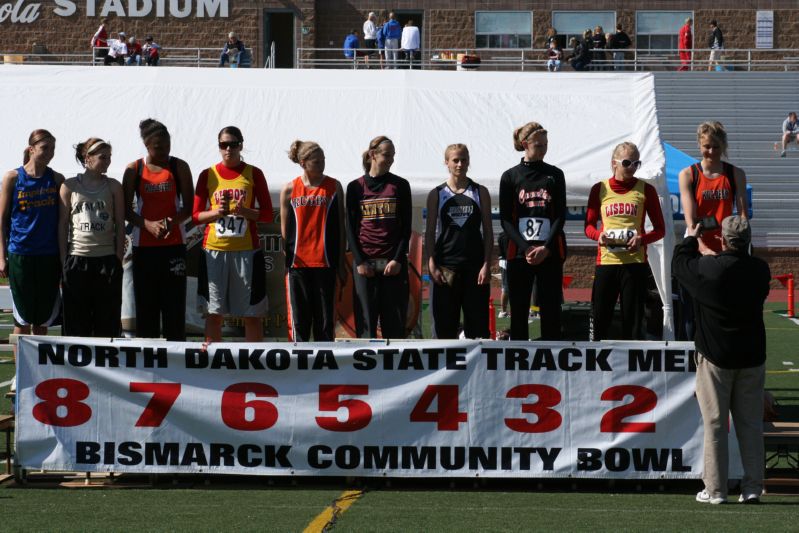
(503, 314)
(749, 498)
(704, 497)
(782, 154)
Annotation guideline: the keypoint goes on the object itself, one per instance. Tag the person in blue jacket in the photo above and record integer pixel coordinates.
(392, 33)
(351, 45)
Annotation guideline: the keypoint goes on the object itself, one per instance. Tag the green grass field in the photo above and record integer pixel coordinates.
(254, 504)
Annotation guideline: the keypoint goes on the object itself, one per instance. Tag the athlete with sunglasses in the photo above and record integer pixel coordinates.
(232, 275)
(532, 208)
(622, 202)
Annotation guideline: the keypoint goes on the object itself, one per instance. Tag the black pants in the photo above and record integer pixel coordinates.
(159, 283)
(381, 298)
(446, 303)
(92, 291)
(548, 279)
(311, 303)
(610, 282)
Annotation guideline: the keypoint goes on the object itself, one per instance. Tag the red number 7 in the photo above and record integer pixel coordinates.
(164, 396)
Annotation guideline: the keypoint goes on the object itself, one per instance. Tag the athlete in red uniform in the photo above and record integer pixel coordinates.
(710, 188)
(312, 226)
(158, 199)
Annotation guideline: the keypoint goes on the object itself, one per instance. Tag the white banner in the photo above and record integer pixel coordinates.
(432, 408)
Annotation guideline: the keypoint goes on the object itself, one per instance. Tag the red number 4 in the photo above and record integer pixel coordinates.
(447, 417)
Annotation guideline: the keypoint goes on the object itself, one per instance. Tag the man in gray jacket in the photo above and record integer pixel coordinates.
(728, 290)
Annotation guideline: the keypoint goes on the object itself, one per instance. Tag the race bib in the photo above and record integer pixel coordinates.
(230, 226)
(534, 228)
(616, 239)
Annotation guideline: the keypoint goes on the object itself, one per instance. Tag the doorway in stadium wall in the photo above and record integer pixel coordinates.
(279, 29)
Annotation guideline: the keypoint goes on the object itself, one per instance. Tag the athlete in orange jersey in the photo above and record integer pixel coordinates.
(158, 199)
(710, 188)
(233, 274)
(312, 225)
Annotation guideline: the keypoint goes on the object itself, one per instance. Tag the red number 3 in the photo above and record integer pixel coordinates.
(72, 412)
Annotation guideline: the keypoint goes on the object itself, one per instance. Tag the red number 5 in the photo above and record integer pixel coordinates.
(359, 414)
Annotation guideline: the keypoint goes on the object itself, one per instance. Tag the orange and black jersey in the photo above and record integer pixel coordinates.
(532, 207)
(313, 232)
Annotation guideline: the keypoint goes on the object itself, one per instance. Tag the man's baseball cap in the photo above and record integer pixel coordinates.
(736, 231)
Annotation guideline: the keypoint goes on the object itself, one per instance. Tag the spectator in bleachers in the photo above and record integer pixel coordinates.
(100, 40)
(790, 132)
(91, 240)
(580, 57)
(551, 35)
(381, 44)
(716, 44)
(618, 42)
(598, 44)
(151, 52)
(351, 45)
(369, 35)
(411, 42)
(393, 33)
(233, 52)
(554, 56)
(117, 50)
(686, 44)
(134, 51)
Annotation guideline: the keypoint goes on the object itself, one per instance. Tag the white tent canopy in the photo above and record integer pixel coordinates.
(422, 111)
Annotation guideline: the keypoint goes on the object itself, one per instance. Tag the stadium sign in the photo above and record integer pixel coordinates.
(24, 12)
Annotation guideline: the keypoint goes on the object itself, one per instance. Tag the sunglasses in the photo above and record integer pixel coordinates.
(224, 145)
(626, 163)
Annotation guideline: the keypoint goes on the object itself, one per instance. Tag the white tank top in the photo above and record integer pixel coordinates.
(91, 220)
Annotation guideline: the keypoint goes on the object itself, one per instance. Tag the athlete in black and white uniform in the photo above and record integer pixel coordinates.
(532, 206)
(459, 242)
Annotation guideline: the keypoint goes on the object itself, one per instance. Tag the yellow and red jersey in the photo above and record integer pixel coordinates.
(244, 185)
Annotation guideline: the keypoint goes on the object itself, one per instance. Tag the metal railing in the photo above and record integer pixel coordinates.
(746, 59)
(184, 57)
(496, 59)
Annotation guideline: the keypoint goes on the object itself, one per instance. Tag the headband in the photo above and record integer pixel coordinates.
(96, 146)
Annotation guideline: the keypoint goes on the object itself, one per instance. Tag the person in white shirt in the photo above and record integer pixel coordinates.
(369, 35)
(411, 43)
(117, 50)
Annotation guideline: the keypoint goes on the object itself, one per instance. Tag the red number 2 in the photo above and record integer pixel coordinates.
(164, 396)
(447, 417)
(73, 413)
(644, 400)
